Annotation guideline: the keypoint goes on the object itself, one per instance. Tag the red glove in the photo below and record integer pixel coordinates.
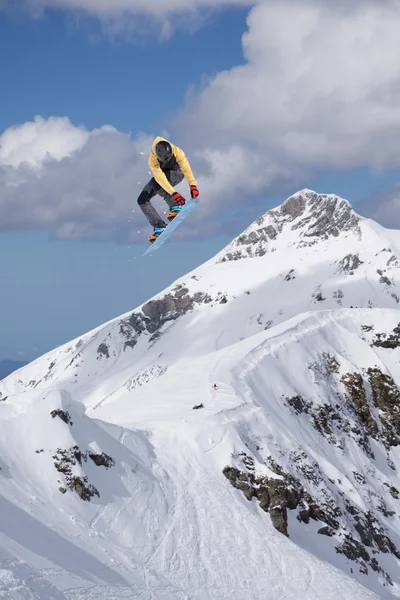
(194, 191)
(179, 200)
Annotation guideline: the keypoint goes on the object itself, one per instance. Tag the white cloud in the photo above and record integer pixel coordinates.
(107, 7)
(320, 89)
(383, 206)
(74, 182)
(130, 18)
(34, 143)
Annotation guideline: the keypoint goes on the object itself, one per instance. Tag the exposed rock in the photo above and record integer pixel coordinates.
(386, 396)
(102, 460)
(326, 530)
(85, 490)
(263, 497)
(372, 534)
(156, 313)
(278, 506)
(299, 404)
(328, 216)
(271, 232)
(357, 398)
(274, 495)
(359, 477)
(338, 295)
(323, 416)
(392, 262)
(239, 480)
(292, 498)
(394, 492)
(63, 414)
(135, 321)
(331, 363)
(317, 295)
(294, 206)
(349, 264)
(392, 340)
(67, 459)
(197, 406)
(353, 550)
(290, 275)
(103, 350)
(383, 279)
(316, 215)
(169, 308)
(130, 344)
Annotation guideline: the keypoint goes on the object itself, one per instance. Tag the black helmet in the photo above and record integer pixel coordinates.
(163, 151)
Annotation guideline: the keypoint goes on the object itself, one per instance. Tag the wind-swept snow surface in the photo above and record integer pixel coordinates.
(125, 474)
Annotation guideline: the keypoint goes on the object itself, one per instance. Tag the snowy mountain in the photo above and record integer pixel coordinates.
(125, 474)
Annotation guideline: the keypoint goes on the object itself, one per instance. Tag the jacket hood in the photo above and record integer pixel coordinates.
(158, 139)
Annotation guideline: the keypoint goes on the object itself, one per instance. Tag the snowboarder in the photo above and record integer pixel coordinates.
(169, 166)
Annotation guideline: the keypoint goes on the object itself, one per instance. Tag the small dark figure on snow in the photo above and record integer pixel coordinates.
(169, 166)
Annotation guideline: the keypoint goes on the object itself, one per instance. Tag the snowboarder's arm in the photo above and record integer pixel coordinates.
(184, 165)
(159, 175)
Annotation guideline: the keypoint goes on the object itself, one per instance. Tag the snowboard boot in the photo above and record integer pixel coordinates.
(175, 210)
(156, 233)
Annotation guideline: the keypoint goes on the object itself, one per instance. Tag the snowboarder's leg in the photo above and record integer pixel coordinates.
(174, 177)
(144, 201)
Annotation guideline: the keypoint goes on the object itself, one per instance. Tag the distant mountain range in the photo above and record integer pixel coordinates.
(9, 366)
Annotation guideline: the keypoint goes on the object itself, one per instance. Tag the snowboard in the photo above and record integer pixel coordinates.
(170, 228)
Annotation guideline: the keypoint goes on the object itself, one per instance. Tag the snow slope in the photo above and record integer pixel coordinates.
(305, 416)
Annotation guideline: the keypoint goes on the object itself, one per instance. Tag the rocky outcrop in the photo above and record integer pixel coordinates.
(276, 495)
(349, 264)
(357, 398)
(358, 535)
(389, 340)
(313, 216)
(386, 396)
(377, 411)
(66, 459)
(103, 350)
(327, 215)
(101, 460)
(278, 505)
(156, 313)
(63, 415)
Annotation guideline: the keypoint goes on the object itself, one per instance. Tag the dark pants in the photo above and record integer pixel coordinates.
(153, 189)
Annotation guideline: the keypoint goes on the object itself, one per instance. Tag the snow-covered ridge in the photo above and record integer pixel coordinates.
(304, 219)
(301, 334)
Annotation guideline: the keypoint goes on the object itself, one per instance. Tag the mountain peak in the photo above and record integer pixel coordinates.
(304, 219)
(321, 215)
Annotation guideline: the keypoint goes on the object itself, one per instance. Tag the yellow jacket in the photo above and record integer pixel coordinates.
(182, 161)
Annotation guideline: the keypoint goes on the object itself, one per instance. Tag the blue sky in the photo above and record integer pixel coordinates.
(224, 104)
(55, 291)
(55, 69)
